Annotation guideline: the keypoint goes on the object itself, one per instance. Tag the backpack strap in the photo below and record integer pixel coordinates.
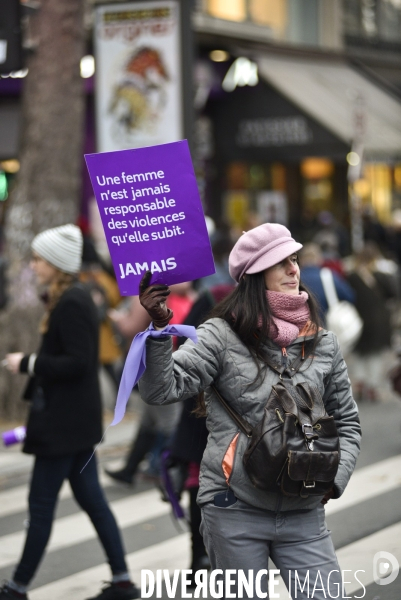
(242, 424)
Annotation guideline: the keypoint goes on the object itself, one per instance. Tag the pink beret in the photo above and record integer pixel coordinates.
(261, 248)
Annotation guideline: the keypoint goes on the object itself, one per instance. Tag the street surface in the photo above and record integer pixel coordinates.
(367, 519)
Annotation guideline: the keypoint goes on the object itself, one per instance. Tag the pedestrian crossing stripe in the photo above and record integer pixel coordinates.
(365, 483)
(369, 482)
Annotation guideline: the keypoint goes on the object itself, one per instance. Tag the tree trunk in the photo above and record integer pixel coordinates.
(47, 189)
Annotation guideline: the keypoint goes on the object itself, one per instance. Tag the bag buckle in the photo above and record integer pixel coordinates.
(307, 430)
(309, 434)
(309, 484)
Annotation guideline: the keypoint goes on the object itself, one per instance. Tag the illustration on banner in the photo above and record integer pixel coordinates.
(140, 95)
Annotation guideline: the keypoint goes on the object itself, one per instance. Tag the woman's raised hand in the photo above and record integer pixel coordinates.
(153, 299)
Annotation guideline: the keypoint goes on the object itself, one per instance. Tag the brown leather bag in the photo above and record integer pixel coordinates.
(294, 449)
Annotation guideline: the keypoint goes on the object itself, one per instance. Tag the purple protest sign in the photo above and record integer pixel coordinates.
(152, 214)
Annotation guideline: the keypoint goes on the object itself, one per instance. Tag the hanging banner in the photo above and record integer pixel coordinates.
(138, 74)
(152, 214)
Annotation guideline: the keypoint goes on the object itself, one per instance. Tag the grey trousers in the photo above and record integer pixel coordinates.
(242, 537)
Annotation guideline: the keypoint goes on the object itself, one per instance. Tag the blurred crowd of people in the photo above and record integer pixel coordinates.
(370, 279)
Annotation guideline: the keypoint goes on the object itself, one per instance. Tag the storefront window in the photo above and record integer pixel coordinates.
(232, 10)
(397, 179)
(373, 19)
(272, 13)
(255, 193)
(380, 186)
(369, 14)
(380, 189)
(352, 17)
(296, 21)
(317, 179)
(303, 22)
(397, 188)
(390, 20)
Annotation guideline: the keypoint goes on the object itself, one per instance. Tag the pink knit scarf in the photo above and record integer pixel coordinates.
(289, 315)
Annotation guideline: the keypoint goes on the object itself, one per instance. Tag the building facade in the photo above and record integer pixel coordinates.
(296, 100)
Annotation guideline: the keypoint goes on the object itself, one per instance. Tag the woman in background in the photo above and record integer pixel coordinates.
(370, 359)
(65, 418)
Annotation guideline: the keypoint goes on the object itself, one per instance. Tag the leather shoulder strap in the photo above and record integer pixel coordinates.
(242, 424)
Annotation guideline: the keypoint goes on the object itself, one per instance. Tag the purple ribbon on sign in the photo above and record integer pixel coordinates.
(135, 363)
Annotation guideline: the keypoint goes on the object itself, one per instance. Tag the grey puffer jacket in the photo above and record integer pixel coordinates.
(221, 358)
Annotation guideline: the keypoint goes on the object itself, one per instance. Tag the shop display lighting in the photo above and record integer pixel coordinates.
(10, 166)
(353, 159)
(317, 168)
(242, 72)
(397, 176)
(87, 66)
(362, 188)
(15, 74)
(19, 74)
(219, 55)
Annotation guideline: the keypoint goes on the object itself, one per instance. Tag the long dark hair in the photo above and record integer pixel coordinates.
(248, 314)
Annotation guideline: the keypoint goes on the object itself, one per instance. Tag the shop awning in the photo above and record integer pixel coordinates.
(330, 91)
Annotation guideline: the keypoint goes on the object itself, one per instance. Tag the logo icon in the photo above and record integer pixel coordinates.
(385, 568)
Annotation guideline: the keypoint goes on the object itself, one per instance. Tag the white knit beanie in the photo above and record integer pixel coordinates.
(61, 247)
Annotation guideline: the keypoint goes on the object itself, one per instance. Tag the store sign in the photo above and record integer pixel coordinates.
(152, 214)
(277, 131)
(138, 74)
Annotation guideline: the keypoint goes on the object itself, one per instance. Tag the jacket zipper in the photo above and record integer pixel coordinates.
(284, 358)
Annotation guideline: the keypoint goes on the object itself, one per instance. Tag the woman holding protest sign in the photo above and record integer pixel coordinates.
(65, 419)
(279, 411)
